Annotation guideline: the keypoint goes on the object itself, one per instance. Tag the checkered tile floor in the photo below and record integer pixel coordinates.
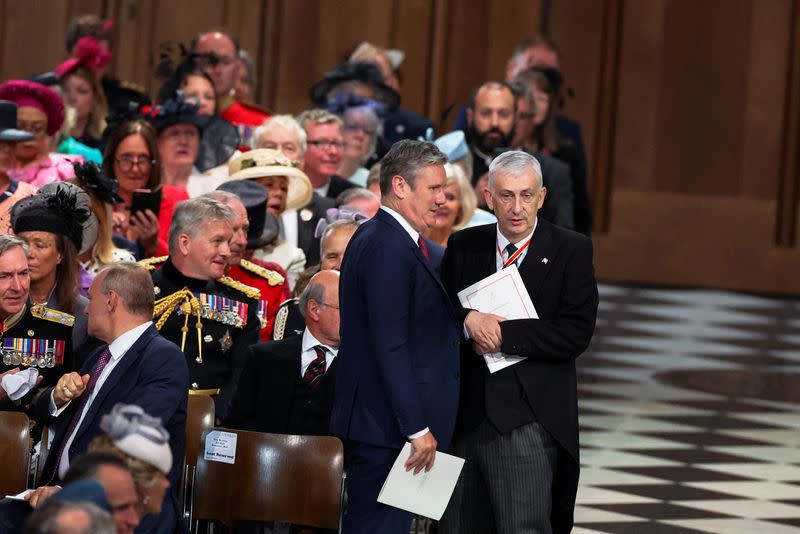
(690, 414)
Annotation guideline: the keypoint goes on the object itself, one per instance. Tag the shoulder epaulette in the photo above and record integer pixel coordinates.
(273, 278)
(55, 316)
(150, 263)
(279, 329)
(249, 291)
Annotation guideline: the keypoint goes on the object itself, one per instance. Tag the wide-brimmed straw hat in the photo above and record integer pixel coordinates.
(263, 162)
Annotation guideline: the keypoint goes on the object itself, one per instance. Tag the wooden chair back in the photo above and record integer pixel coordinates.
(15, 452)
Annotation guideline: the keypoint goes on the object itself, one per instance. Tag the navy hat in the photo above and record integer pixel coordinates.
(83, 491)
(8, 124)
(356, 71)
(254, 196)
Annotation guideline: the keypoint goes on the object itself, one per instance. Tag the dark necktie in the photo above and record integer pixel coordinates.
(423, 247)
(94, 375)
(511, 248)
(316, 369)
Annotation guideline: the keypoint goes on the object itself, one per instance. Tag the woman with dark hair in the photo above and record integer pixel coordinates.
(57, 224)
(544, 138)
(132, 159)
(219, 138)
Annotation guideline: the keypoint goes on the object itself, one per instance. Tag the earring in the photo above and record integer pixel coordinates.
(146, 499)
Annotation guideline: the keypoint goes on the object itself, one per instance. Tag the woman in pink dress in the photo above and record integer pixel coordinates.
(40, 111)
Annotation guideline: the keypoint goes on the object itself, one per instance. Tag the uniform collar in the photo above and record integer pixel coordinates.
(179, 279)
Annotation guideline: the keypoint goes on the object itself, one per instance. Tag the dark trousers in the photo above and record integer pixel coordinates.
(506, 483)
(367, 468)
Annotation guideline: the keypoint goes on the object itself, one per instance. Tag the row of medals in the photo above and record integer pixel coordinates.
(13, 357)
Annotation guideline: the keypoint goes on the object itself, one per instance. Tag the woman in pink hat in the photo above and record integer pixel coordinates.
(40, 111)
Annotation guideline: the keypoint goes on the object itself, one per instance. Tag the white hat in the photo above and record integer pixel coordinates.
(261, 162)
(139, 435)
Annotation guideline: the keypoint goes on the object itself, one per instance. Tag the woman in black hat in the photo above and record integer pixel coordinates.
(10, 190)
(56, 222)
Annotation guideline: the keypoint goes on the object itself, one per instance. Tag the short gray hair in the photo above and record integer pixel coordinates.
(47, 518)
(313, 291)
(515, 163)
(318, 116)
(284, 121)
(133, 284)
(190, 215)
(355, 193)
(372, 119)
(226, 197)
(7, 242)
(341, 224)
(406, 158)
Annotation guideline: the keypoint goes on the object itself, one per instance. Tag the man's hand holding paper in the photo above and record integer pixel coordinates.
(484, 330)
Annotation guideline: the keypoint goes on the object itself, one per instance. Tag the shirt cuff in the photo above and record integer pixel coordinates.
(55, 412)
(419, 434)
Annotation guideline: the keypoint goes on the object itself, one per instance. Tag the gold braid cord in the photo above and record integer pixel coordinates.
(150, 263)
(249, 291)
(185, 301)
(272, 277)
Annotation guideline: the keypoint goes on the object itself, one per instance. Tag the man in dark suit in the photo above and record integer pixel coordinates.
(518, 427)
(287, 385)
(492, 120)
(397, 376)
(138, 366)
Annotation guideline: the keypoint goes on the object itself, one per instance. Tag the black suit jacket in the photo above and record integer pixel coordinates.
(263, 401)
(338, 184)
(307, 218)
(152, 374)
(558, 274)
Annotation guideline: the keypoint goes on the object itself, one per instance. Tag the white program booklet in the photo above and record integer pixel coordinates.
(426, 493)
(503, 294)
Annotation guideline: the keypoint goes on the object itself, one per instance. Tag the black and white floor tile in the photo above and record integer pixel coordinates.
(690, 414)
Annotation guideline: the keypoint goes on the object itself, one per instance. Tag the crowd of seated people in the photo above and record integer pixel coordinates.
(189, 242)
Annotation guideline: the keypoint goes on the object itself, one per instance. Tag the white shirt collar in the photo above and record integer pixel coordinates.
(403, 222)
(120, 346)
(323, 190)
(502, 241)
(308, 353)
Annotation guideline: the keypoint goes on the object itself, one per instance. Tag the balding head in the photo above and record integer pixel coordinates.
(319, 304)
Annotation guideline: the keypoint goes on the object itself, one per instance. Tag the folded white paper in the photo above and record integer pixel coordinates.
(19, 384)
(19, 496)
(426, 493)
(503, 294)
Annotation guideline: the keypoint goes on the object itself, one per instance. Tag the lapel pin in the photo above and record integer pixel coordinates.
(544, 260)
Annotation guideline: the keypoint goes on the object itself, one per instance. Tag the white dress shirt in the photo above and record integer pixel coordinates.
(323, 191)
(118, 348)
(501, 254)
(289, 226)
(415, 237)
(309, 354)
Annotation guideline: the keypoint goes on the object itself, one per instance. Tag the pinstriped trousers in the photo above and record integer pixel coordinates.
(505, 486)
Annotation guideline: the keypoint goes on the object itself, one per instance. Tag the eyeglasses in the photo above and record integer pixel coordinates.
(323, 144)
(36, 128)
(328, 305)
(126, 163)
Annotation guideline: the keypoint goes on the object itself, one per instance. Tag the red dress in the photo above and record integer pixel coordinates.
(270, 279)
(170, 196)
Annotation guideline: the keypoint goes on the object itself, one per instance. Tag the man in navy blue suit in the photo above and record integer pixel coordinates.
(138, 366)
(398, 375)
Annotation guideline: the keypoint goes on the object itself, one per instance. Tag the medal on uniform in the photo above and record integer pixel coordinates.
(226, 341)
(262, 313)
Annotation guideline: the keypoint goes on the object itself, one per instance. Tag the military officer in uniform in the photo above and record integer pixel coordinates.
(211, 317)
(254, 229)
(32, 337)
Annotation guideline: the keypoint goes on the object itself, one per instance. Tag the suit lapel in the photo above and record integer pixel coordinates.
(120, 370)
(391, 222)
(539, 258)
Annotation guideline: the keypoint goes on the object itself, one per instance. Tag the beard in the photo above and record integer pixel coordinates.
(486, 144)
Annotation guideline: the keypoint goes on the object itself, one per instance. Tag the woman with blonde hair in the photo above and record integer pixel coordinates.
(458, 208)
(143, 442)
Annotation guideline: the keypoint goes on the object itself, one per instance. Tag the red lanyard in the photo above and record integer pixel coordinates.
(511, 259)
